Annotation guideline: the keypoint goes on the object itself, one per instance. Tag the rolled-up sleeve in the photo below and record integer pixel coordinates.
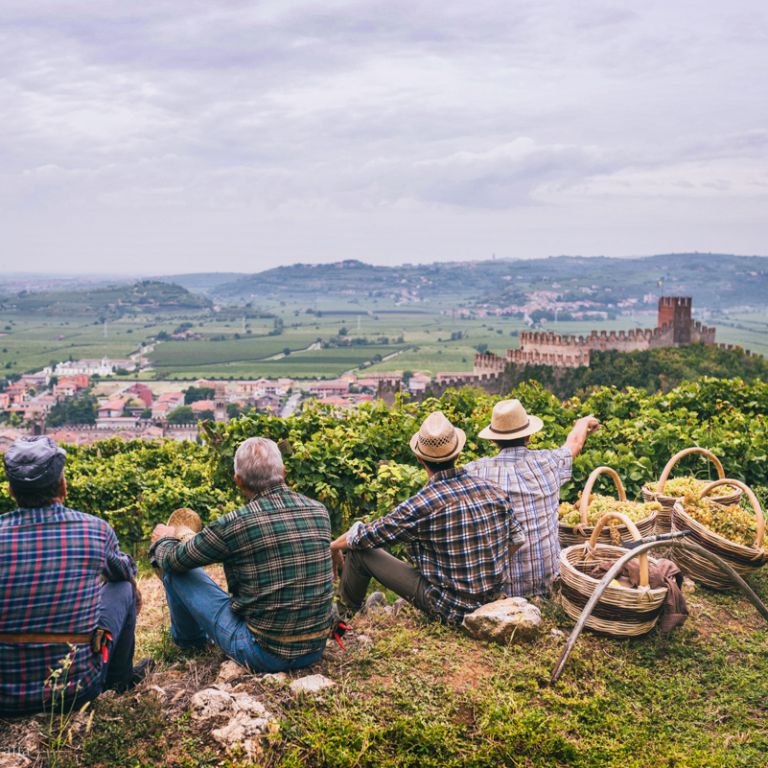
(399, 525)
(562, 459)
(205, 548)
(117, 565)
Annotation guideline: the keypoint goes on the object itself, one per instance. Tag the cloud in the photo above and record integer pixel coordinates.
(327, 128)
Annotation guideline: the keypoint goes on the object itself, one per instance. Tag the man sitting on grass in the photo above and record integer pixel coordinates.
(533, 479)
(458, 530)
(277, 562)
(67, 600)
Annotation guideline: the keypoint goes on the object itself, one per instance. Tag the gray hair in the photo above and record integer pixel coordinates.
(259, 463)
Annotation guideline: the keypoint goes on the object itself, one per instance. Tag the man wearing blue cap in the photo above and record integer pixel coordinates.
(67, 595)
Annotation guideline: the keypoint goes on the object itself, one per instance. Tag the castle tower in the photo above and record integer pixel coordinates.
(220, 403)
(675, 311)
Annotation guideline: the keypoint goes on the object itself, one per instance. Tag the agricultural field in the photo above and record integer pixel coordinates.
(423, 336)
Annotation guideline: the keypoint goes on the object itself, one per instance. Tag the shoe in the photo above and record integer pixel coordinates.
(140, 671)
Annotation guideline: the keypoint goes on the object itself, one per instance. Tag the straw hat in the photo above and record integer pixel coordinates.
(437, 439)
(186, 522)
(510, 421)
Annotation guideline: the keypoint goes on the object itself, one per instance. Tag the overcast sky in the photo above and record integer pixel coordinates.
(193, 135)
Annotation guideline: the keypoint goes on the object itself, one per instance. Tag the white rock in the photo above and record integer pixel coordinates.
(362, 639)
(557, 632)
(244, 733)
(688, 586)
(244, 702)
(376, 601)
(211, 702)
(311, 684)
(502, 620)
(14, 760)
(275, 678)
(230, 670)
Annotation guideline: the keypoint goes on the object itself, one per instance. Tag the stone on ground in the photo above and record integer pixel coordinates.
(210, 702)
(247, 719)
(311, 684)
(376, 601)
(230, 670)
(14, 760)
(502, 620)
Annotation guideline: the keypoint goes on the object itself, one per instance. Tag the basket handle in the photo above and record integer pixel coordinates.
(685, 452)
(642, 558)
(587, 492)
(752, 500)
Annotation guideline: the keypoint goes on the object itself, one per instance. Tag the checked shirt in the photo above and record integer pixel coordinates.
(532, 478)
(458, 530)
(53, 560)
(277, 560)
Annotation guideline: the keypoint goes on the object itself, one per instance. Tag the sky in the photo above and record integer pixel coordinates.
(189, 135)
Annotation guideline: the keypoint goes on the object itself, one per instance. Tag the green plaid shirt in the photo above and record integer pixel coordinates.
(277, 560)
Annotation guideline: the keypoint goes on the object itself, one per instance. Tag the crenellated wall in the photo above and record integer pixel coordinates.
(675, 327)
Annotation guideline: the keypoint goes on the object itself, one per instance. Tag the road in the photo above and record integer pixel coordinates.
(290, 405)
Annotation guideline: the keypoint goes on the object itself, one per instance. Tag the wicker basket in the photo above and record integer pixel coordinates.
(664, 517)
(621, 611)
(744, 560)
(578, 534)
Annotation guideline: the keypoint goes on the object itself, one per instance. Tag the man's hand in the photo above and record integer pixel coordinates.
(337, 560)
(162, 531)
(578, 435)
(137, 596)
(590, 424)
(337, 554)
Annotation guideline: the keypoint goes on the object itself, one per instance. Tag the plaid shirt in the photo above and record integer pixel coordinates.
(53, 561)
(277, 560)
(458, 530)
(532, 478)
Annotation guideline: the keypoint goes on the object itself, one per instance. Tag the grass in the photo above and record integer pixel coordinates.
(419, 694)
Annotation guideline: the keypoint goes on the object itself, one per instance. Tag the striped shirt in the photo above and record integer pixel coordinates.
(277, 561)
(458, 530)
(532, 478)
(53, 561)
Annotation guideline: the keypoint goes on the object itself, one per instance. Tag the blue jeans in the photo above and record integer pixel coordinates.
(200, 611)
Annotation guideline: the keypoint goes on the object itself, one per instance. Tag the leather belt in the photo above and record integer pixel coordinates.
(45, 637)
(291, 638)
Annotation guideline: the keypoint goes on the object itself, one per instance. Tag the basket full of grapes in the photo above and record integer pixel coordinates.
(668, 490)
(577, 521)
(730, 531)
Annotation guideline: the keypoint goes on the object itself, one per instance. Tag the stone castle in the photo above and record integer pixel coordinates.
(675, 328)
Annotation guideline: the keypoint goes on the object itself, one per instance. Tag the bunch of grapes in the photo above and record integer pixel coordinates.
(599, 505)
(732, 522)
(689, 486)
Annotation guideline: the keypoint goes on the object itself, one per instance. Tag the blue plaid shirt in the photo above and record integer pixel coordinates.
(51, 569)
(532, 478)
(458, 531)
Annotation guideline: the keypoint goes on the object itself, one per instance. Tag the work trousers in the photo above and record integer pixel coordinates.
(361, 565)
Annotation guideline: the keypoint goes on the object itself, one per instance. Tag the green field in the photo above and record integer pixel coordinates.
(422, 337)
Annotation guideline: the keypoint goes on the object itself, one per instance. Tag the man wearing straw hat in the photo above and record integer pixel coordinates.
(276, 556)
(458, 531)
(533, 479)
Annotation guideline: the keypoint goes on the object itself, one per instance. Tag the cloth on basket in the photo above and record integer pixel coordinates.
(661, 573)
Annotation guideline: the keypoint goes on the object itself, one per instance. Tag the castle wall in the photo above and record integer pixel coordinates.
(675, 328)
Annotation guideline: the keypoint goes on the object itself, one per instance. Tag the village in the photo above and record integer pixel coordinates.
(130, 409)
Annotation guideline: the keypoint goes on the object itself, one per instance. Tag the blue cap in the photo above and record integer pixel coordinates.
(34, 461)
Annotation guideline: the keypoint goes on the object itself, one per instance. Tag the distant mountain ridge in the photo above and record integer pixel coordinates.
(714, 280)
(107, 301)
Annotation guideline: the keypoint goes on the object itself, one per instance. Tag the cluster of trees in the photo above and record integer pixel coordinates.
(653, 370)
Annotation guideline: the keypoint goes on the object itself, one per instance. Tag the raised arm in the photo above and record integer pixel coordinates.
(578, 435)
